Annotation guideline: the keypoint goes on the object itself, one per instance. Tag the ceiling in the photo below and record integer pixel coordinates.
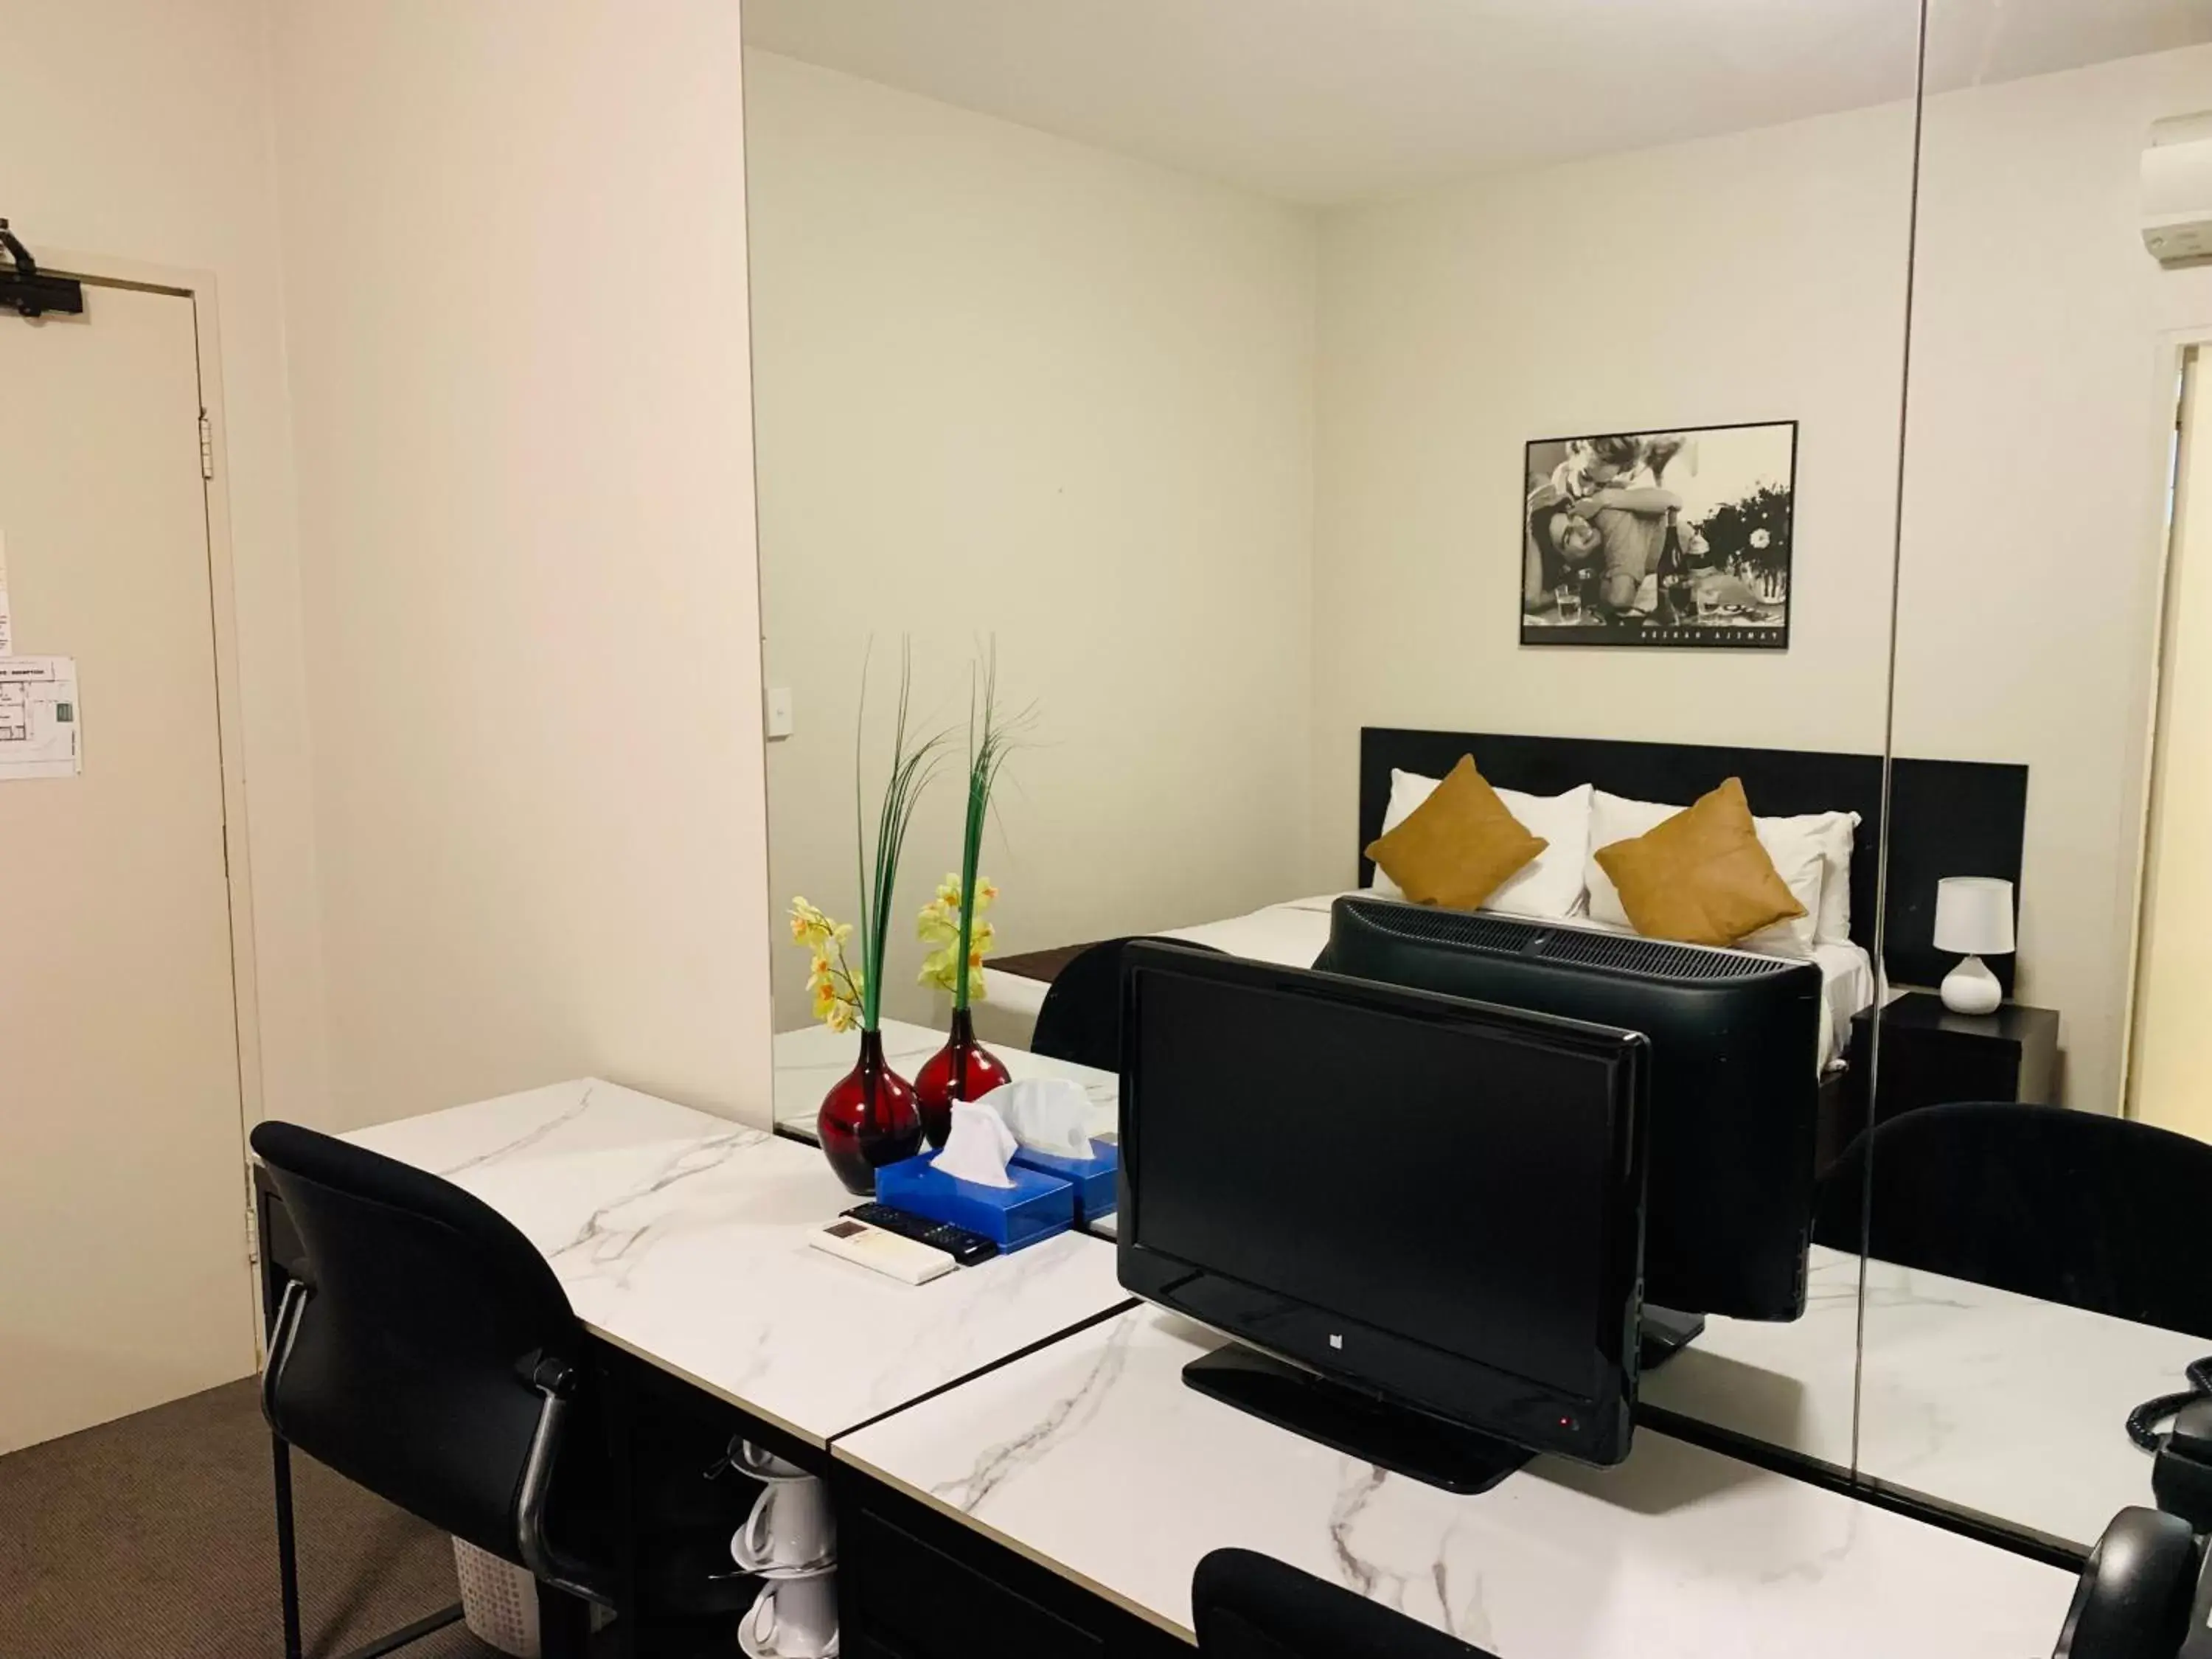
(1332, 100)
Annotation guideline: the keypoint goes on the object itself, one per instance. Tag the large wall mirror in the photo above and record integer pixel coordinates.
(1278, 404)
(2039, 1179)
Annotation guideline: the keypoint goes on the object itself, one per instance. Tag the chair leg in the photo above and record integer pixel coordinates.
(564, 1624)
(287, 1560)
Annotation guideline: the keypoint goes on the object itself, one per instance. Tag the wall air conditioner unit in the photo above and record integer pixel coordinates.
(2177, 189)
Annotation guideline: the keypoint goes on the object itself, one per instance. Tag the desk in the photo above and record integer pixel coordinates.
(810, 1061)
(1028, 1410)
(1089, 1457)
(681, 1238)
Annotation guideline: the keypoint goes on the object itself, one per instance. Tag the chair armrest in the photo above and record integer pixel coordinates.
(286, 1331)
(555, 1381)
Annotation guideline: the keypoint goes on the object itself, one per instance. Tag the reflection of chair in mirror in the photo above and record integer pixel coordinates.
(1252, 1606)
(1080, 1019)
(2093, 1211)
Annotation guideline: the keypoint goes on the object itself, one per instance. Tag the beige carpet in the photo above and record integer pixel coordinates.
(154, 1537)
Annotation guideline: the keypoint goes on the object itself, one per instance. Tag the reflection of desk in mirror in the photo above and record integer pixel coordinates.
(2006, 1406)
(1975, 1399)
(810, 1061)
(1786, 1386)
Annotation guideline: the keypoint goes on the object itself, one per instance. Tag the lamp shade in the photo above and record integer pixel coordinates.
(1973, 916)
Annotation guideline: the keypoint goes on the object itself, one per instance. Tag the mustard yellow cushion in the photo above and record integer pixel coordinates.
(1458, 846)
(1701, 876)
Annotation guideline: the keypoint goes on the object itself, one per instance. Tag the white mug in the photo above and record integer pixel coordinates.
(763, 1464)
(789, 1531)
(793, 1619)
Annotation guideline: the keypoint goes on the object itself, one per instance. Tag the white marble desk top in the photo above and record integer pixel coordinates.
(1786, 1385)
(683, 1238)
(2000, 1406)
(1090, 1456)
(810, 1061)
(2006, 1406)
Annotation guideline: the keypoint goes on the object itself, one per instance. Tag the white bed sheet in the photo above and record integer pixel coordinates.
(1293, 933)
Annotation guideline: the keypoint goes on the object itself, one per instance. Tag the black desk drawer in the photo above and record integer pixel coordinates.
(915, 1583)
(917, 1601)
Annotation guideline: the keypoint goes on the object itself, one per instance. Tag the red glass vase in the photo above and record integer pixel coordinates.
(868, 1118)
(963, 1069)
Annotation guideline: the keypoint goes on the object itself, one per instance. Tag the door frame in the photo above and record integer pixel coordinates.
(2170, 388)
(198, 288)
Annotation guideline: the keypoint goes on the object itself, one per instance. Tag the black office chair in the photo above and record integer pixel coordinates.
(2074, 1207)
(1252, 1606)
(1080, 1019)
(430, 1355)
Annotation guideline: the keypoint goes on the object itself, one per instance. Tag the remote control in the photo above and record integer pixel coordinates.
(884, 1252)
(963, 1247)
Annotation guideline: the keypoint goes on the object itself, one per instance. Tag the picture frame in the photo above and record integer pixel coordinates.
(1679, 538)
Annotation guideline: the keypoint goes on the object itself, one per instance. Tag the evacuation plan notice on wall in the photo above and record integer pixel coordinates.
(38, 718)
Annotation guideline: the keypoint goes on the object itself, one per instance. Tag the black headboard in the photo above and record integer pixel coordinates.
(1952, 818)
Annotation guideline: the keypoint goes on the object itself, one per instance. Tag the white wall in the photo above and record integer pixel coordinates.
(2034, 488)
(139, 131)
(515, 250)
(1755, 277)
(1011, 384)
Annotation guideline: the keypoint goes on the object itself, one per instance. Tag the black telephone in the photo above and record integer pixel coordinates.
(2136, 1593)
(2147, 1591)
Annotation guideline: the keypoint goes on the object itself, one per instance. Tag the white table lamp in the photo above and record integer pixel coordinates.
(1973, 916)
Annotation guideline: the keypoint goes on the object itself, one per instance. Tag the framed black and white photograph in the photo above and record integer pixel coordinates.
(1676, 538)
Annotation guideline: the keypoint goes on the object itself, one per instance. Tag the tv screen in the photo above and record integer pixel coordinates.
(1424, 1195)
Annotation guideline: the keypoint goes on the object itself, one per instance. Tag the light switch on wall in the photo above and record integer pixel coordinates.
(778, 711)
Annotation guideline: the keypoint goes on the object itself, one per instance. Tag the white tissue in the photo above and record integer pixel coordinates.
(978, 1147)
(1047, 1115)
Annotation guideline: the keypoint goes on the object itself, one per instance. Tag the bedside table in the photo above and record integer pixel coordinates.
(1931, 1055)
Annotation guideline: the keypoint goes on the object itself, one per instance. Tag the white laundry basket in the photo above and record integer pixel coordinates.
(498, 1601)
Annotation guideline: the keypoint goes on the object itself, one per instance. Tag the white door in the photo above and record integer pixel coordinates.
(2168, 1084)
(123, 1276)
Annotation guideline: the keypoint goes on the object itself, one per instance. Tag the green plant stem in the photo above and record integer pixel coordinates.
(971, 853)
(860, 833)
(912, 768)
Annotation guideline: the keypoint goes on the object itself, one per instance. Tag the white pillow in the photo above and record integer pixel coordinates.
(1835, 831)
(1799, 857)
(1548, 887)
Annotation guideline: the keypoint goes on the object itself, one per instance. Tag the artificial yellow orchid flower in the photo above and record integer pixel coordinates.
(937, 923)
(835, 985)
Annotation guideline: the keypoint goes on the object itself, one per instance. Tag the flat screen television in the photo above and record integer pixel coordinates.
(1421, 1217)
(1735, 1085)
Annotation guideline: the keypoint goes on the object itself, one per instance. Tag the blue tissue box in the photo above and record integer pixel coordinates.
(1092, 1177)
(1035, 1208)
